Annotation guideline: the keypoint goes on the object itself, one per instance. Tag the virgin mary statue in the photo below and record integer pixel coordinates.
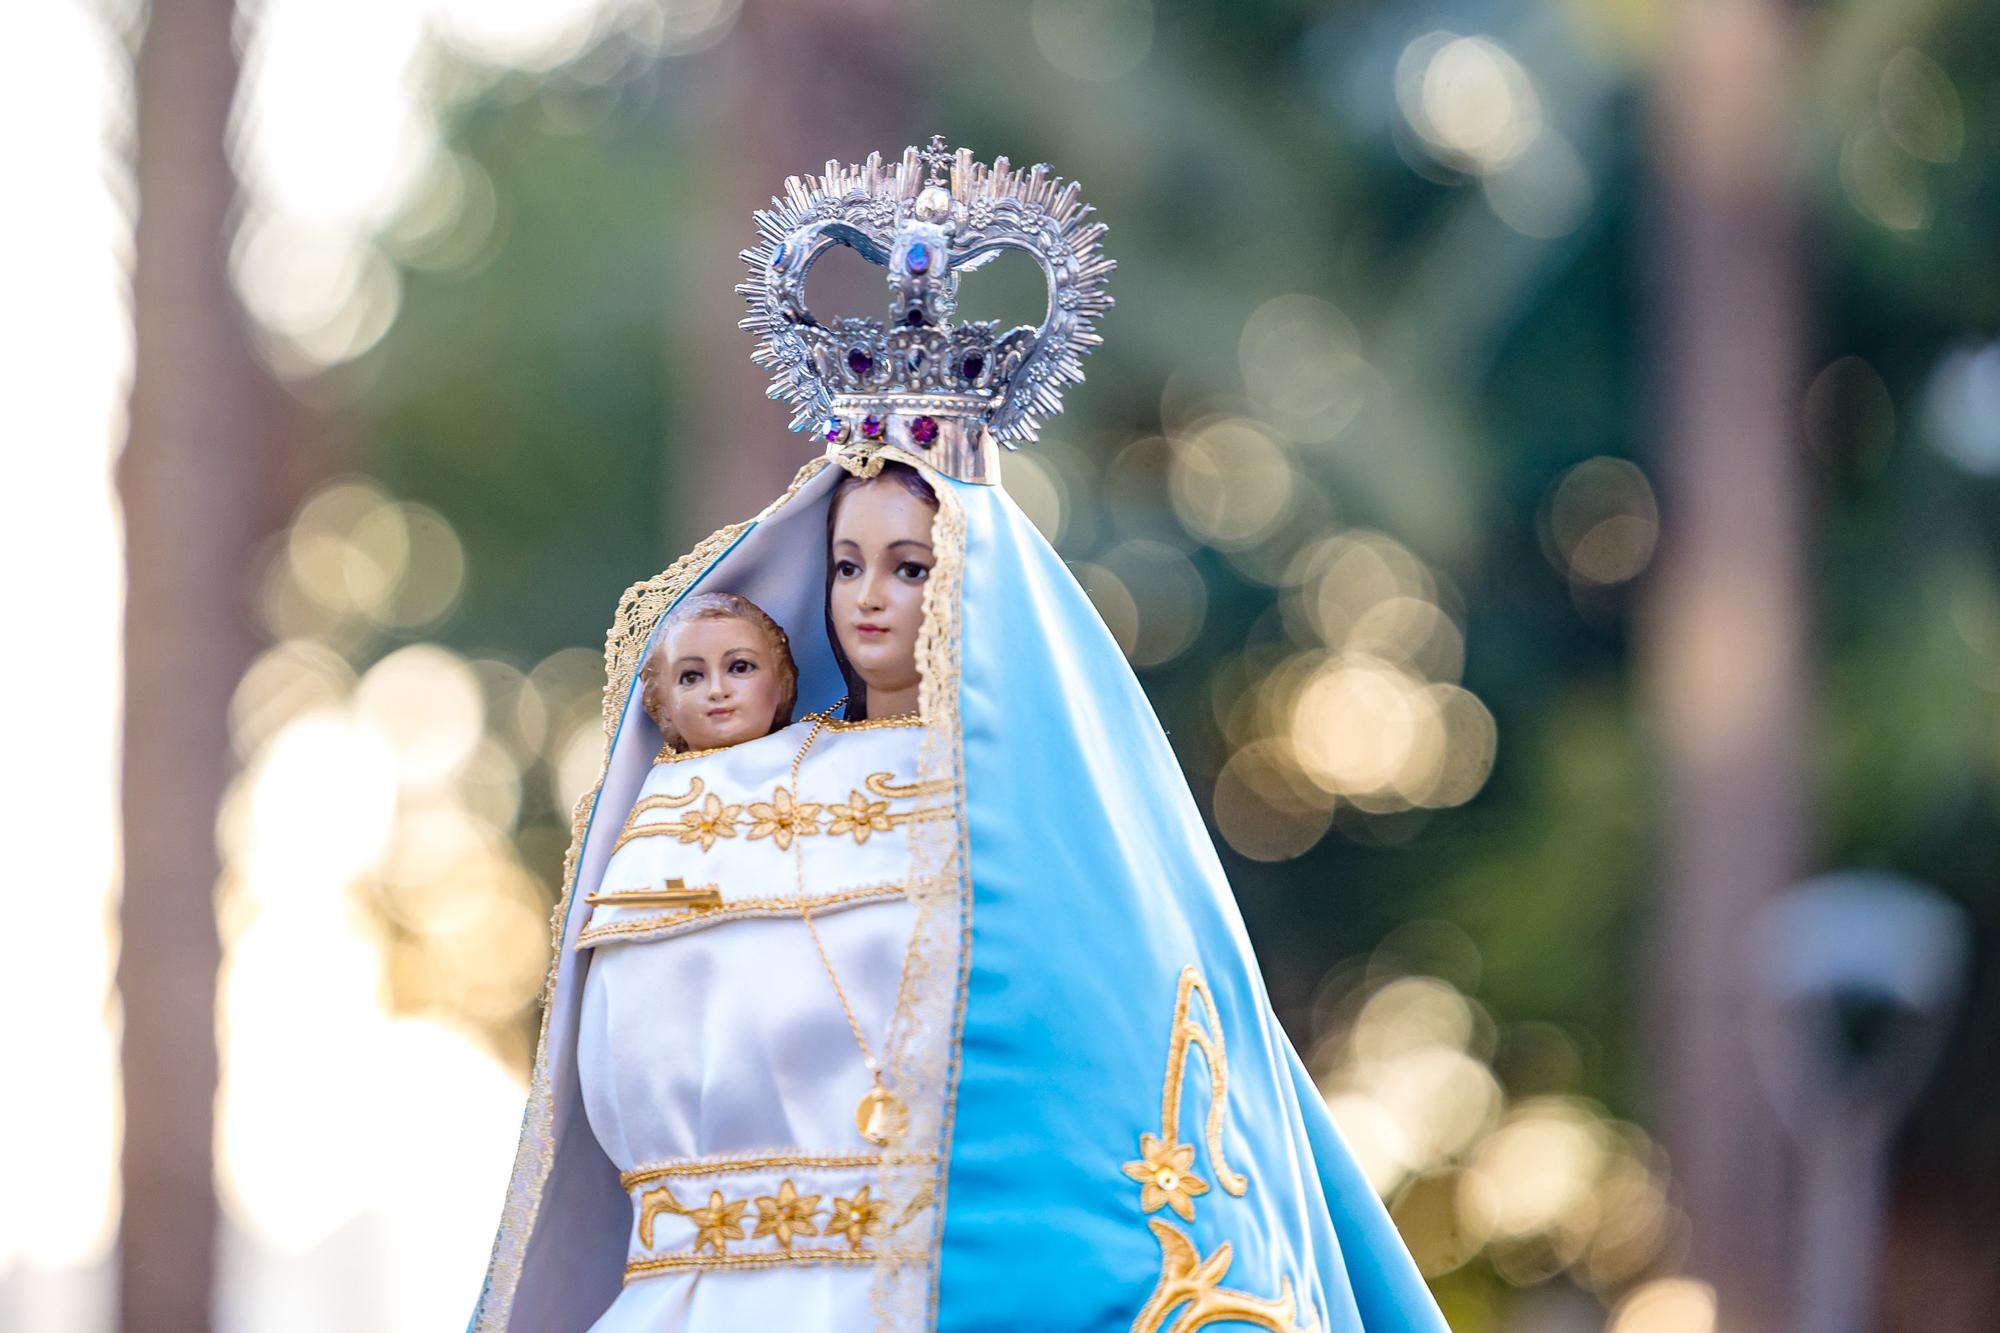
(931, 1010)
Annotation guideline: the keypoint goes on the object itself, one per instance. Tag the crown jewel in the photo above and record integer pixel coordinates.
(929, 218)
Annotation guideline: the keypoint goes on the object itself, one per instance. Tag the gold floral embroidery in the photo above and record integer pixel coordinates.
(715, 1226)
(781, 818)
(719, 1223)
(781, 1216)
(1189, 1033)
(1164, 1170)
(860, 816)
(884, 784)
(714, 820)
(785, 1214)
(857, 1218)
(1188, 1279)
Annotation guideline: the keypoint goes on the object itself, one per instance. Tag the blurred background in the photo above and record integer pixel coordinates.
(1544, 465)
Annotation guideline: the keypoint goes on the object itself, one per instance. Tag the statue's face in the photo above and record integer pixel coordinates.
(881, 557)
(721, 684)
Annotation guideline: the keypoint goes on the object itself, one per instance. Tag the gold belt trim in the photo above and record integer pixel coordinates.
(668, 1263)
(717, 1166)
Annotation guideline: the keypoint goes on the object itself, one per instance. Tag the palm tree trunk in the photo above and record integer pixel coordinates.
(1724, 633)
(779, 120)
(191, 479)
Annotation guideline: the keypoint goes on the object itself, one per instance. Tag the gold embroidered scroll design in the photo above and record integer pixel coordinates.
(784, 817)
(855, 1218)
(713, 820)
(1189, 1281)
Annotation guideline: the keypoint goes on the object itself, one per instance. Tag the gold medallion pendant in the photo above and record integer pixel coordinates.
(881, 1116)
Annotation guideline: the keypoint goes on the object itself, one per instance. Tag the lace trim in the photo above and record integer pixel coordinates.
(921, 1051)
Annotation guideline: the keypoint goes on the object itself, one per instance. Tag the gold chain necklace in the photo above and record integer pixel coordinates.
(880, 1115)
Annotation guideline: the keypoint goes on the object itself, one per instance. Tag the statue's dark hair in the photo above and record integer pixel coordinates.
(910, 480)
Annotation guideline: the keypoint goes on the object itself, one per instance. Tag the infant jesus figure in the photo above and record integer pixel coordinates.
(720, 674)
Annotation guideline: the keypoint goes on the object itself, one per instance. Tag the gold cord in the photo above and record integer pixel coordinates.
(805, 914)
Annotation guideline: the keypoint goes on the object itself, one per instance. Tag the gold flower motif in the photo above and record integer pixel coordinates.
(714, 820)
(785, 1213)
(1163, 1169)
(781, 819)
(857, 1218)
(720, 1222)
(859, 816)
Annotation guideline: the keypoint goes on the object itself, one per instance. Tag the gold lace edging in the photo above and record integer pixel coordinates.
(921, 1048)
(678, 923)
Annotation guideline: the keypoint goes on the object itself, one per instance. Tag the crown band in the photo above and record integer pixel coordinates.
(959, 447)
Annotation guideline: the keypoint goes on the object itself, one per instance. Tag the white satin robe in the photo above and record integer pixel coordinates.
(718, 1070)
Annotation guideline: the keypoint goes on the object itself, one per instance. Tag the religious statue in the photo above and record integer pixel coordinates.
(931, 1010)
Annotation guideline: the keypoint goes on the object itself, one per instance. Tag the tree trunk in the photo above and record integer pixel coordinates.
(191, 481)
(1724, 632)
(777, 119)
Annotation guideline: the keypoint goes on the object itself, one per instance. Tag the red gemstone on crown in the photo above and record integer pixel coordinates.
(923, 430)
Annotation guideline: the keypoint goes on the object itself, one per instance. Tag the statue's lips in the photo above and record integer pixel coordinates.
(871, 631)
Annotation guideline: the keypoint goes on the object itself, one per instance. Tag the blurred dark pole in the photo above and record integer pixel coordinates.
(191, 482)
(803, 82)
(1724, 631)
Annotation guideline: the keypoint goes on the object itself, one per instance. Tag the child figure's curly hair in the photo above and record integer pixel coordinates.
(716, 606)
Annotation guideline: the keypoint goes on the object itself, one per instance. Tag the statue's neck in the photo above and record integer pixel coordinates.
(892, 703)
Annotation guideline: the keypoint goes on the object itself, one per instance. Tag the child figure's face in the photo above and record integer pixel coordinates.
(721, 686)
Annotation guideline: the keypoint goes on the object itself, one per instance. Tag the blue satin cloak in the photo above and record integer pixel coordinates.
(1094, 883)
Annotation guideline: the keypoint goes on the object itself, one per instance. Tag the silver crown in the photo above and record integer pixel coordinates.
(918, 379)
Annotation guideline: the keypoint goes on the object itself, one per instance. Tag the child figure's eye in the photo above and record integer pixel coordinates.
(689, 676)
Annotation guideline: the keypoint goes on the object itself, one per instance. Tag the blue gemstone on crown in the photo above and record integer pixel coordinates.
(918, 258)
